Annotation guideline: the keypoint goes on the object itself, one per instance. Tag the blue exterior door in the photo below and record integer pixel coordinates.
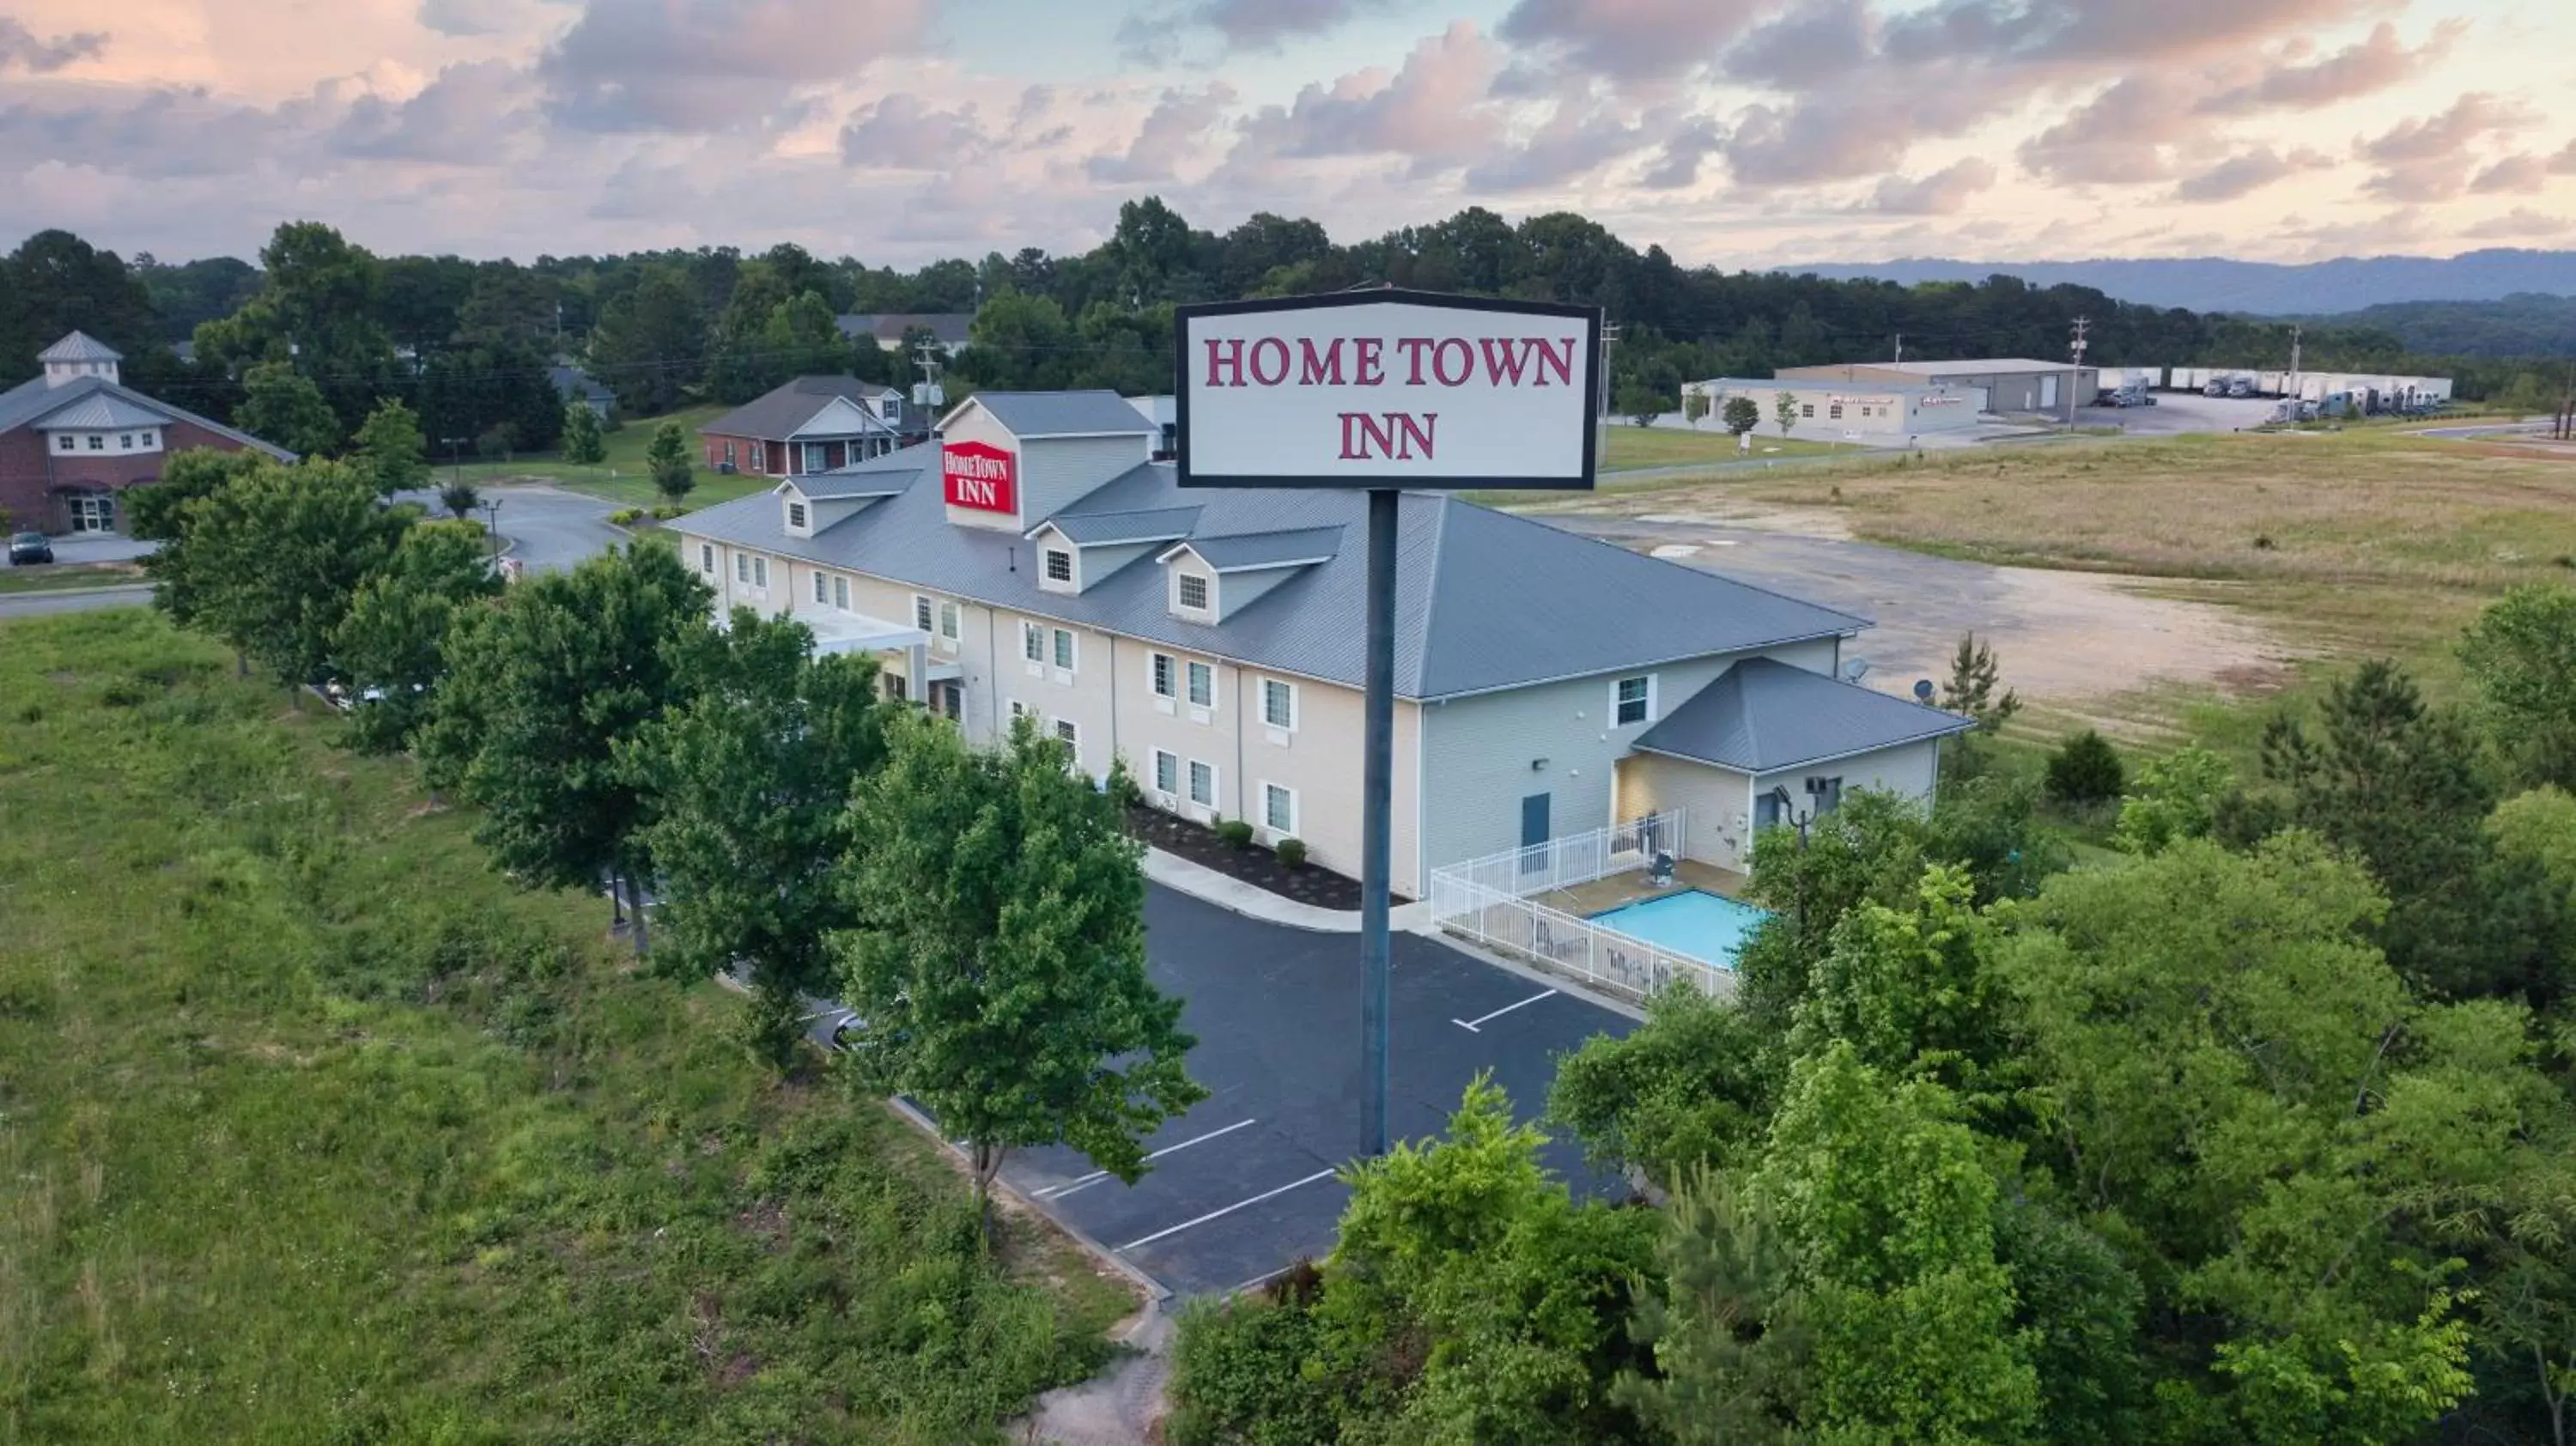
(1534, 820)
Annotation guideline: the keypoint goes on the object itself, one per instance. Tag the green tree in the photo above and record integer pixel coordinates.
(316, 313)
(1686, 1088)
(752, 777)
(667, 457)
(2173, 798)
(157, 512)
(1784, 410)
(1695, 407)
(1741, 415)
(269, 560)
(1639, 402)
(2085, 770)
(583, 445)
(281, 405)
(56, 283)
(1914, 992)
(460, 499)
(1970, 688)
(650, 341)
(389, 446)
(2521, 659)
(1002, 969)
(1733, 1353)
(390, 643)
(539, 694)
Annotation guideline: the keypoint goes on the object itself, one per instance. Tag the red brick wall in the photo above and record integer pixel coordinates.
(30, 475)
(747, 453)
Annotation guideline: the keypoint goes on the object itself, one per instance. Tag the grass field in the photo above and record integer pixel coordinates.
(1628, 448)
(61, 576)
(2363, 542)
(314, 1129)
(621, 478)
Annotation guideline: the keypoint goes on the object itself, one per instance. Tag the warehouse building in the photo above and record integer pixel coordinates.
(1885, 414)
(1035, 562)
(2011, 384)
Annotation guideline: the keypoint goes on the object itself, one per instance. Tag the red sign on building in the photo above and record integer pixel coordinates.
(980, 476)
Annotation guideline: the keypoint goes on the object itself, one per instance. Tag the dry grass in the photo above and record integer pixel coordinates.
(2360, 542)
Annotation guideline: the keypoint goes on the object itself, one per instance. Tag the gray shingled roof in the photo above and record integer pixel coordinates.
(1241, 551)
(1063, 414)
(80, 346)
(1762, 715)
(32, 401)
(1483, 600)
(776, 414)
(1095, 529)
(880, 476)
(102, 410)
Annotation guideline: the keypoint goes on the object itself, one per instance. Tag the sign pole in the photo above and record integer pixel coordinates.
(1377, 798)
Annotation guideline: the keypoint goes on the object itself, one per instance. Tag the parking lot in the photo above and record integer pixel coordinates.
(1243, 1185)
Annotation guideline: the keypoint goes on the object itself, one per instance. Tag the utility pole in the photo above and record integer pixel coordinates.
(2075, 378)
(1601, 436)
(2293, 388)
(928, 359)
(1900, 348)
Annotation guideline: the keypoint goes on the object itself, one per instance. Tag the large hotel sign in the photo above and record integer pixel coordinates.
(980, 477)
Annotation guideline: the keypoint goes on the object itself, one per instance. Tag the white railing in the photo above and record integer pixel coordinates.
(1484, 900)
(1561, 863)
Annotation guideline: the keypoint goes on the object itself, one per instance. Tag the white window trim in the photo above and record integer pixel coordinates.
(1194, 668)
(1216, 784)
(1046, 568)
(1169, 684)
(1173, 791)
(1266, 720)
(742, 568)
(822, 589)
(760, 573)
(1276, 831)
(952, 625)
(1073, 744)
(707, 558)
(1652, 690)
(840, 592)
(1180, 593)
(797, 516)
(1033, 642)
(1064, 651)
(925, 613)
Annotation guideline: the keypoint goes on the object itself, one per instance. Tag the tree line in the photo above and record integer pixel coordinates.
(2261, 1131)
(756, 810)
(467, 344)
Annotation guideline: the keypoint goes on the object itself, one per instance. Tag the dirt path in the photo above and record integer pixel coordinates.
(2068, 640)
(1119, 1407)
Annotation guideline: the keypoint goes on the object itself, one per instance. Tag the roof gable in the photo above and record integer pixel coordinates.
(792, 405)
(80, 346)
(1030, 416)
(1762, 715)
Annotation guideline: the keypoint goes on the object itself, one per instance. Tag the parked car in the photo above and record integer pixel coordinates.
(30, 547)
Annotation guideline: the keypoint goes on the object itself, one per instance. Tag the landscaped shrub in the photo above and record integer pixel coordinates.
(2085, 769)
(624, 516)
(1236, 833)
(1237, 1375)
(666, 511)
(1292, 852)
(1123, 788)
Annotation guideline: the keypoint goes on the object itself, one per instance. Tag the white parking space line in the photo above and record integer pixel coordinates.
(1324, 1174)
(1058, 1192)
(1469, 1025)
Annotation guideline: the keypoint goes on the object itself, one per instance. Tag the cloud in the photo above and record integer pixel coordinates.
(901, 132)
(2520, 173)
(1432, 110)
(2564, 163)
(1576, 140)
(1806, 47)
(2520, 224)
(2245, 173)
(1628, 40)
(714, 65)
(1676, 166)
(21, 50)
(160, 134)
(469, 115)
(1257, 24)
(1945, 192)
(2372, 65)
(1179, 122)
(2426, 158)
(2117, 138)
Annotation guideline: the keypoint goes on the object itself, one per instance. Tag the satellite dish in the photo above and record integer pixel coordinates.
(1855, 669)
(1922, 690)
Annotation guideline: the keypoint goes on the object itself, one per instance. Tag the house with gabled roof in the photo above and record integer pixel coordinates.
(75, 436)
(1037, 563)
(812, 424)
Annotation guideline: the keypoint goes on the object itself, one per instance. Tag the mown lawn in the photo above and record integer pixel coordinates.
(1626, 448)
(314, 1129)
(61, 576)
(622, 477)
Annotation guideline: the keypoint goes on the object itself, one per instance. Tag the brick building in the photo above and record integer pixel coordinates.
(74, 437)
(812, 424)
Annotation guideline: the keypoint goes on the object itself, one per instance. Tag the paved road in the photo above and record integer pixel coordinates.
(1246, 1185)
(36, 604)
(548, 530)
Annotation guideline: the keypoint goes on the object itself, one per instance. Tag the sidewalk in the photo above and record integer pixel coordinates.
(1254, 902)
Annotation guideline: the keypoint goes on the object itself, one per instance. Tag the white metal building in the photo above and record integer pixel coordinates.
(2010, 384)
(1879, 413)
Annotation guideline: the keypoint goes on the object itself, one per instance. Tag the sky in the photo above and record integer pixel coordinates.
(1737, 133)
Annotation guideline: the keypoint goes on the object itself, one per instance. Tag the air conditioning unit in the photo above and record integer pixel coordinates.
(1166, 802)
(727, 468)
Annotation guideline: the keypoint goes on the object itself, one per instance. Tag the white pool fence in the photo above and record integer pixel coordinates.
(1487, 900)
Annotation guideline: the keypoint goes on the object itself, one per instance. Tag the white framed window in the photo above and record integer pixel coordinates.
(841, 593)
(1202, 784)
(741, 567)
(760, 572)
(1279, 809)
(1032, 642)
(948, 629)
(1835, 411)
(1167, 772)
(1825, 794)
(1064, 649)
(729, 457)
(1059, 565)
(1194, 592)
(65, 442)
(706, 557)
(822, 589)
(1202, 686)
(1806, 409)
(921, 612)
(1069, 733)
(795, 514)
(1632, 700)
(1278, 703)
(97, 442)
(125, 441)
(1166, 684)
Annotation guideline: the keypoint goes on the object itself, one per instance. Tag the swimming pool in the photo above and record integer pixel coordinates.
(1694, 922)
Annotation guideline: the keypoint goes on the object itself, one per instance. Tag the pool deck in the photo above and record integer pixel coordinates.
(1602, 895)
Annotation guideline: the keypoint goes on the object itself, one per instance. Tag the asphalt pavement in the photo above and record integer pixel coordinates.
(546, 529)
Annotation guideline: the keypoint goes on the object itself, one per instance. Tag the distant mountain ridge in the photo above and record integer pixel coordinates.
(2262, 288)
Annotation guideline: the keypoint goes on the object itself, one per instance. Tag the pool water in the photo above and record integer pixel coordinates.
(1694, 922)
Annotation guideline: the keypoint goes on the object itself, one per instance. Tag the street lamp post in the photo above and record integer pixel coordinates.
(492, 527)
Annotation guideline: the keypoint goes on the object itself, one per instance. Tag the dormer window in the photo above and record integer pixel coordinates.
(66, 442)
(1059, 565)
(796, 514)
(1194, 592)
